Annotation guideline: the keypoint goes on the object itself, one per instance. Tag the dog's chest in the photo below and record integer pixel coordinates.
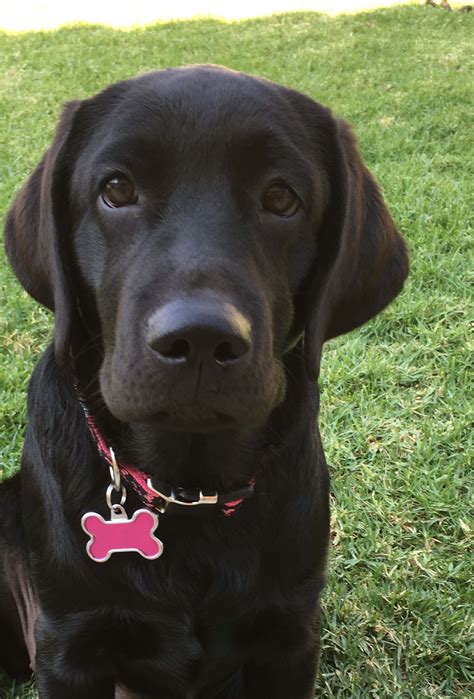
(173, 627)
(151, 649)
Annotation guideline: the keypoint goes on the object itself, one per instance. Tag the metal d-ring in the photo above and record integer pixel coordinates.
(115, 485)
(114, 471)
(108, 496)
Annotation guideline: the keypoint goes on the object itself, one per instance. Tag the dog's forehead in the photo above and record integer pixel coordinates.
(202, 102)
(203, 92)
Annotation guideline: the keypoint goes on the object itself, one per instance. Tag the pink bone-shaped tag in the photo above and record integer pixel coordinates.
(122, 535)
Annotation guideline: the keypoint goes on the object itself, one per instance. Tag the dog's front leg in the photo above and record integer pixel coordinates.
(63, 665)
(50, 687)
(282, 678)
(285, 663)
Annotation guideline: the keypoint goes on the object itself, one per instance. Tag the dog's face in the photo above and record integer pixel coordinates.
(194, 219)
(198, 220)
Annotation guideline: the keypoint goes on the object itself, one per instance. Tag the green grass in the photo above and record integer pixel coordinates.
(395, 415)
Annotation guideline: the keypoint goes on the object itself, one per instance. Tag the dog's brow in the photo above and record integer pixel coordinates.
(122, 153)
(269, 150)
(250, 149)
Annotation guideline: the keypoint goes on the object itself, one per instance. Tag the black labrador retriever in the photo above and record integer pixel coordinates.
(199, 233)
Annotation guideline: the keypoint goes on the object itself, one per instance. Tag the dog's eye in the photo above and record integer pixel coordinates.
(281, 200)
(119, 191)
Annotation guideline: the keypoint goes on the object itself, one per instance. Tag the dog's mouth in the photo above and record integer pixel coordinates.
(194, 416)
(165, 403)
(193, 421)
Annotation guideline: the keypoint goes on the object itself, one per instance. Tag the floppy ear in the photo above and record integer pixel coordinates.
(36, 233)
(362, 260)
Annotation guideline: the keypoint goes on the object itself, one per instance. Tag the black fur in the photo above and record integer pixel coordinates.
(231, 609)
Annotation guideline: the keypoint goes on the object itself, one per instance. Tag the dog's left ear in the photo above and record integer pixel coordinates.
(362, 260)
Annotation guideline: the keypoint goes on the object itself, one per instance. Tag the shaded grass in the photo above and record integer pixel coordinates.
(395, 394)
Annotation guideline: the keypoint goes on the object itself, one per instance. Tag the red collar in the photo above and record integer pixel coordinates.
(141, 482)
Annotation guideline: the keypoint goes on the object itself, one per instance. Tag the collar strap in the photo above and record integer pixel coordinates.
(228, 502)
(142, 484)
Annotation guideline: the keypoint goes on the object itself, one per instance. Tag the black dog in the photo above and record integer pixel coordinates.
(199, 234)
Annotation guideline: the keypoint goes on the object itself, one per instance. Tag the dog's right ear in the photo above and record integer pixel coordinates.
(36, 234)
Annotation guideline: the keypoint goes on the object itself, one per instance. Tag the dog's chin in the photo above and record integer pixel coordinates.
(192, 418)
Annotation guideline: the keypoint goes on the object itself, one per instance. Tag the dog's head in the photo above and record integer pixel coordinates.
(200, 221)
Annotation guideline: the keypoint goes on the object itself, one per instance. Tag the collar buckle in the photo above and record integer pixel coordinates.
(181, 497)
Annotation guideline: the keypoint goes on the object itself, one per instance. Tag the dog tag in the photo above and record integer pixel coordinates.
(121, 534)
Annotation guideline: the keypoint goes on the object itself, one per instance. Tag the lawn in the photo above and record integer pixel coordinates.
(395, 409)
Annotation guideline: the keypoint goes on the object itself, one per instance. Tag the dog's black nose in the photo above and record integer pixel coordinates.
(209, 330)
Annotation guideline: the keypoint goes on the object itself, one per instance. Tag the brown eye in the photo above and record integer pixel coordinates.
(280, 200)
(119, 192)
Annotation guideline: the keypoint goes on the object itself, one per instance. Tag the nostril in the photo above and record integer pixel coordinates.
(227, 352)
(173, 349)
(178, 350)
(223, 353)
